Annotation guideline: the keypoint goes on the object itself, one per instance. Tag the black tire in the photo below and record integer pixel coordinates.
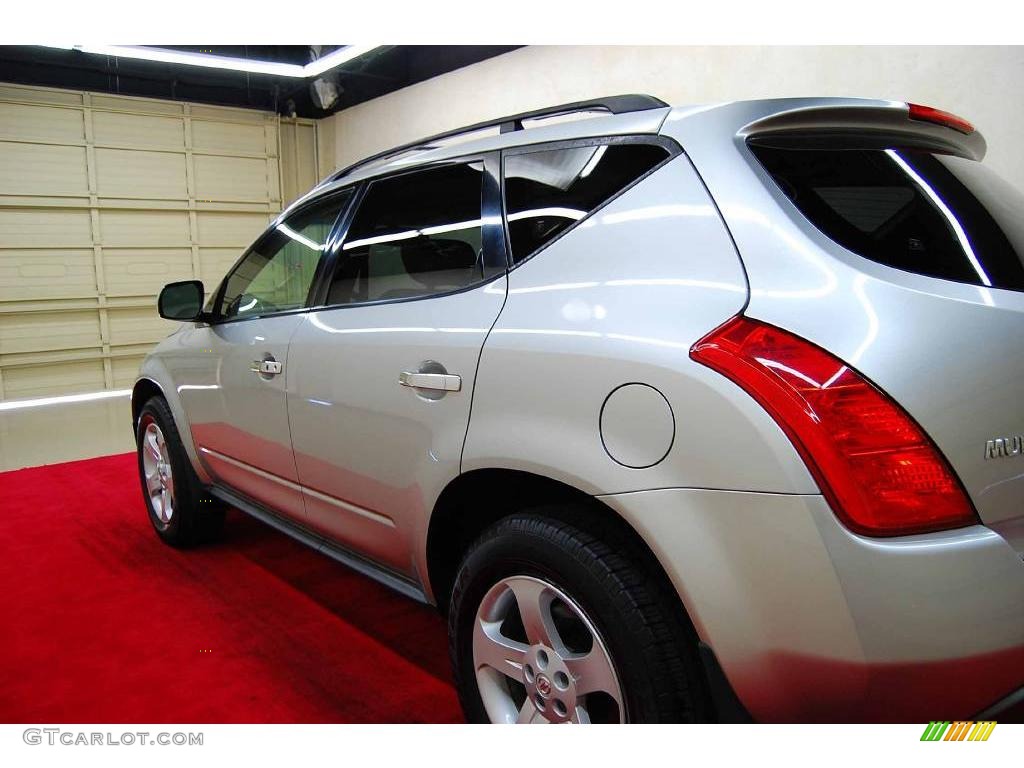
(636, 614)
(197, 517)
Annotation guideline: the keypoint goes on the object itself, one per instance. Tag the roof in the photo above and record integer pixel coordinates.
(636, 114)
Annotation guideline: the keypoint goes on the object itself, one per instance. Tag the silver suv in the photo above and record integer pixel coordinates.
(677, 414)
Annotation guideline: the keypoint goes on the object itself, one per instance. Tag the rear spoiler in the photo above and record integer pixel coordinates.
(860, 126)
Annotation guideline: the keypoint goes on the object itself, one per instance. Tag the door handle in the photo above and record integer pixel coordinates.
(444, 382)
(266, 367)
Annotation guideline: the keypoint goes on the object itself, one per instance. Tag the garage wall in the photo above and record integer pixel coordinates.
(103, 199)
(979, 82)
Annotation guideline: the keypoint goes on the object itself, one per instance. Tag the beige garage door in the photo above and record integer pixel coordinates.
(103, 199)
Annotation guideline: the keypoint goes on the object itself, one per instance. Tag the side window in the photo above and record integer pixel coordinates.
(417, 234)
(278, 271)
(548, 191)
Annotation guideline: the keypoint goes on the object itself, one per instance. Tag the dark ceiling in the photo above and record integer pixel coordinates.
(375, 74)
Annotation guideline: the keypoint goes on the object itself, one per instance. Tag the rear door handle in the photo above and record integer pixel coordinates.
(444, 382)
(266, 367)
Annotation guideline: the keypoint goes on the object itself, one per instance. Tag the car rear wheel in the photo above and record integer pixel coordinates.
(180, 510)
(549, 624)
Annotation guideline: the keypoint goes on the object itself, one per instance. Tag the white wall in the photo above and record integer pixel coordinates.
(979, 83)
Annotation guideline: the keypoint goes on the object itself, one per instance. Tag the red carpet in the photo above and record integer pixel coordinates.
(103, 623)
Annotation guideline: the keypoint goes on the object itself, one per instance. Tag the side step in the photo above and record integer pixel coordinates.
(403, 586)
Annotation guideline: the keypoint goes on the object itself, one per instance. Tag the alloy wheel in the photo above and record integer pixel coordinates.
(539, 659)
(156, 465)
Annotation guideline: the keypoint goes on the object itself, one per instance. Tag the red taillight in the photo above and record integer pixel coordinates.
(880, 472)
(937, 116)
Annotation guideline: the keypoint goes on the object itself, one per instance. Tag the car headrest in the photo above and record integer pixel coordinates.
(436, 262)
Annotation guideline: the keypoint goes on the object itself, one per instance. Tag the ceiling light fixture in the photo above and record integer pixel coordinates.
(334, 58)
(145, 53)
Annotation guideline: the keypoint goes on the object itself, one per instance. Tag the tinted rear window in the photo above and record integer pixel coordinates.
(930, 214)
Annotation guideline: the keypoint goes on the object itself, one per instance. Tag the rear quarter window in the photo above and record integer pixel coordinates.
(548, 191)
(930, 214)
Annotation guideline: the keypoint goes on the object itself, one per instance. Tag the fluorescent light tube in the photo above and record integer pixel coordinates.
(335, 58)
(167, 56)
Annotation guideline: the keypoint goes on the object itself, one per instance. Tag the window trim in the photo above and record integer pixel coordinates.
(670, 145)
(332, 240)
(494, 243)
(498, 259)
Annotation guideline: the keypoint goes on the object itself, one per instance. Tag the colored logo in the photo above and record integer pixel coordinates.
(543, 686)
(958, 731)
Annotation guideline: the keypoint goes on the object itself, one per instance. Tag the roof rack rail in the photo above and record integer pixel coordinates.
(616, 105)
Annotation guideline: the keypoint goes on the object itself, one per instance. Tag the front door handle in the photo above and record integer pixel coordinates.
(266, 367)
(443, 382)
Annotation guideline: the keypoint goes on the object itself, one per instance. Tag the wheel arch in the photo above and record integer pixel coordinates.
(148, 386)
(144, 389)
(477, 499)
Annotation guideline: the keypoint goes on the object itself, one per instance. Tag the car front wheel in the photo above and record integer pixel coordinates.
(180, 510)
